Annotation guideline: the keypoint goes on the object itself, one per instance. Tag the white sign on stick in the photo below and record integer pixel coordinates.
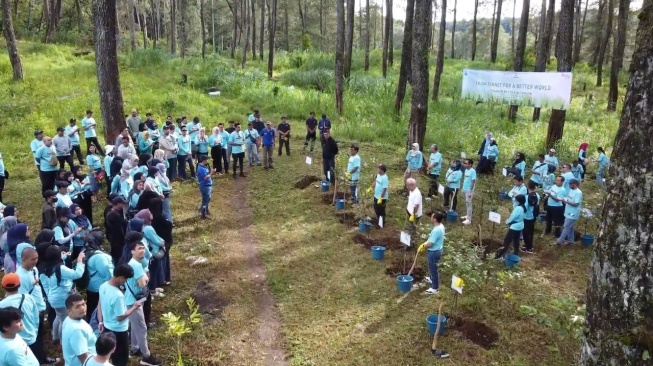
(441, 189)
(504, 172)
(404, 238)
(309, 161)
(495, 217)
(381, 222)
(457, 284)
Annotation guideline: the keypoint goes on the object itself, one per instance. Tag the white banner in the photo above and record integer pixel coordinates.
(532, 89)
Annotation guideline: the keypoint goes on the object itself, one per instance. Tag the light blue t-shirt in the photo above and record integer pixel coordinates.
(77, 338)
(43, 155)
(470, 176)
(436, 238)
(107, 164)
(381, 183)
(568, 176)
(435, 160)
(202, 145)
(193, 129)
(63, 200)
(89, 127)
(516, 219)
(94, 161)
(183, 145)
(551, 160)
(577, 171)
(558, 192)
(250, 133)
(59, 235)
(522, 168)
(131, 286)
(74, 138)
(354, 162)
(492, 152)
(549, 181)
(453, 178)
(28, 287)
(603, 161)
(58, 293)
(414, 159)
(30, 315)
(540, 171)
(238, 139)
(112, 301)
(530, 210)
(34, 146)
(225, 139)
(100, 270)
(516, 191)
(574, 196)
(15, 352)
(153, 239)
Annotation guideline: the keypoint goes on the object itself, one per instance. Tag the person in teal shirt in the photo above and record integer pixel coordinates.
(539, 171)
(452, 179)
(532, 211)
(13, 349)
(381, 188)
(47, 171)
(604, 163)
(145, 143)
(515, 226)
(237, 143)
(555, 209)
(434, 168)
(26, 304)
(573, 204)
(414, 160)
(226, 152)
(434, 246)
(519, 166)
(94, 162)
(100, 269)
(577, 170)
(36, 144)
(72, 131)
(568, 176)
(549, 180)
(252, 140)
(353, 172)
(29, 278)
(518, 188)
(77, 337)
(90, 135)
(184, 153)
(469, 185)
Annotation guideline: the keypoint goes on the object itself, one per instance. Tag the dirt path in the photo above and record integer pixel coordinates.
(268, 332)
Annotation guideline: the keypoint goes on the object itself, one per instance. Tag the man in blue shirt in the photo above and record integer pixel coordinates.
(568, 175)
(88, 124)
(311, 126)
(48, 164)
(573, 204)
(72, 131)
(555, 209)
(251, 142)
(324, 126)
(551, 159)
(539, 171)
(205, 180)
(184, 153)
(353, 172)
(381, 187)
(469, 184)
(77, 337)
(226, 151)
(267, 139)
(13, 349)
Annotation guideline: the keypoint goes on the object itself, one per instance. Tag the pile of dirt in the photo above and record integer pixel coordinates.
(209, 300)
(476, 332)
(396, 268)
(347, 218)
(306, 181)
(327, 197)
(389, 242)
(490, 246)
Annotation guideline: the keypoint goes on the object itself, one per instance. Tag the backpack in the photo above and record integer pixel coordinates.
(82, 282)
(533, 201)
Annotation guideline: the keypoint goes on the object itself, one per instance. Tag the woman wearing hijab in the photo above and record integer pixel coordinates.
(515, 226)
(159, 157)
(57, 281)
(142, 165)
(17, 241)
(215, 142)
(166, 189)
(95, 172)
(84, 199)
(202, 142)
(134, 196)
(152, 183)
(81, 221)
(145, 143)
(156, 244)
(163, 228)
(66, 229)
(519, 165)
(126, 182)
(582, 158)
(7, 223)
(414, 161)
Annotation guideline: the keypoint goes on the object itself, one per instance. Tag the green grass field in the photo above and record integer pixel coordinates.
(336, 305)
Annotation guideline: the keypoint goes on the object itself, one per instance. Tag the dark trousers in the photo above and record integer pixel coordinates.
(52, 314)
(285, 142)
(528, 233)
(92, 300)
(66, 159)
(47, 180)
(379, 210)
(216, 156)
(171, 173)
(2, 187)
(120, 356)
(116, 249)
(225, 159)
(312, 137)
(328, 165)
(78, 151)
(94, 141)
(555, 216)
(448, 193)
(511, 236)
(433, 184)
(182, 160)
(238, 161)
(147, 309)
(37, 347)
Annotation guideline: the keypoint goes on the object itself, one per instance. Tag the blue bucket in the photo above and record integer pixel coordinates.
(542, 217)
(452, 216)
(364, 226)
(340, 204)
(512, 260)
(587, 240)
(378, 252)
(432, 323)
(404, 283)
(325, 186)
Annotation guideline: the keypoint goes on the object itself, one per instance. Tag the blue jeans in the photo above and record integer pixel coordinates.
(433, 258)
(567, 231)
(95, 185)
(206, 198)
(353, 189)
(252, 154)
(167, 212)
(599, 176)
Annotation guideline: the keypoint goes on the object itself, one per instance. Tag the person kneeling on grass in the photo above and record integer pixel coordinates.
(515, 226)
(434, 246)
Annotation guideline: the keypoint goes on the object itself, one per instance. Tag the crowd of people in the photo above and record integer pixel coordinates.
(45, 276)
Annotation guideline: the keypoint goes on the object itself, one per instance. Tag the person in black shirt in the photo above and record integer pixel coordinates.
(231, 127)
(329, 152)
(324, 125)
(311, 125)
(115, 227)
(49, 215)
(257, 123)
(284, 135)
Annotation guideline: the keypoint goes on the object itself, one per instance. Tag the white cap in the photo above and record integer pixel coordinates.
(108, 149)
(552, 150)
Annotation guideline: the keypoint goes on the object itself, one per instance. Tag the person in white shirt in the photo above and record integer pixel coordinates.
(469, 184)
(414, 206)
(88, 123)
(126, 150)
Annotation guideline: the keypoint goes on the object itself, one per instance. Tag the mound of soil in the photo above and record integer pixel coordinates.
(327, 197)
(396, 268)
(347, 218)
(476, 332)
(306, 181)
(209, 300)
(389, 242)
(490, 246)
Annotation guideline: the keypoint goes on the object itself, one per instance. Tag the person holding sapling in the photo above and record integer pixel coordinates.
(381, 186)
(515, 226)
(573, 204)
(555, 209)
(434, 246)
(518, 188)
(414, 160)
(434, 168)
(353, 172)
(539, 171)
(452, 179)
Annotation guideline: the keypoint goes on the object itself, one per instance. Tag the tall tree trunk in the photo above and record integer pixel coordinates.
(439, 62)
(10, 37)
(203, 27)
(453, 30)
(565, 37)
(29, 15)
(215, 47)
(618, 54)
(419, 106)
(474, 30)
(405, 68)
(173, 27)
(360, 24)
(544, 45)
(272, 29)
(607, 32)
(577, 40)
(521, 49)
(144, 27)
(367, 35)
(599, 25)
(495, 35)
(247, 28)
(349, 37)
(286, 22)
(108, 74)
(234, 39)
(494, 14)
(386, 39)
(619, 320)
(253, 21)
(512, 38)
(262, 35)
(80, 17)
(340, 49)
(131, 9)
(322, 24)
(183, 10)
(390, 35)
(155, 23)
(582, 25)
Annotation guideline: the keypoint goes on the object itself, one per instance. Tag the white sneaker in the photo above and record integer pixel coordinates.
(431, 291)
(467, 222)
(463, 217)
(428, 280)
(158, 294)
(158, 289)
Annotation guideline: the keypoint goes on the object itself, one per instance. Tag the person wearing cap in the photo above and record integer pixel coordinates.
(66, 229)
(381, 187)
(237, 143)
(24, 303)
(63, 197)
(77, 337)
(13, 349)
(573, 205)
(115, 227)
(434, 167)
(72, 131)
(551, 159)
(63, 146)
(133, 122)
(205, 180)
(36, 144)
(284, 135)
(414, 160)
(88, 124)
(311, 126)
(252, 140)
(267, 140)
(48, 214)
(329, 152)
